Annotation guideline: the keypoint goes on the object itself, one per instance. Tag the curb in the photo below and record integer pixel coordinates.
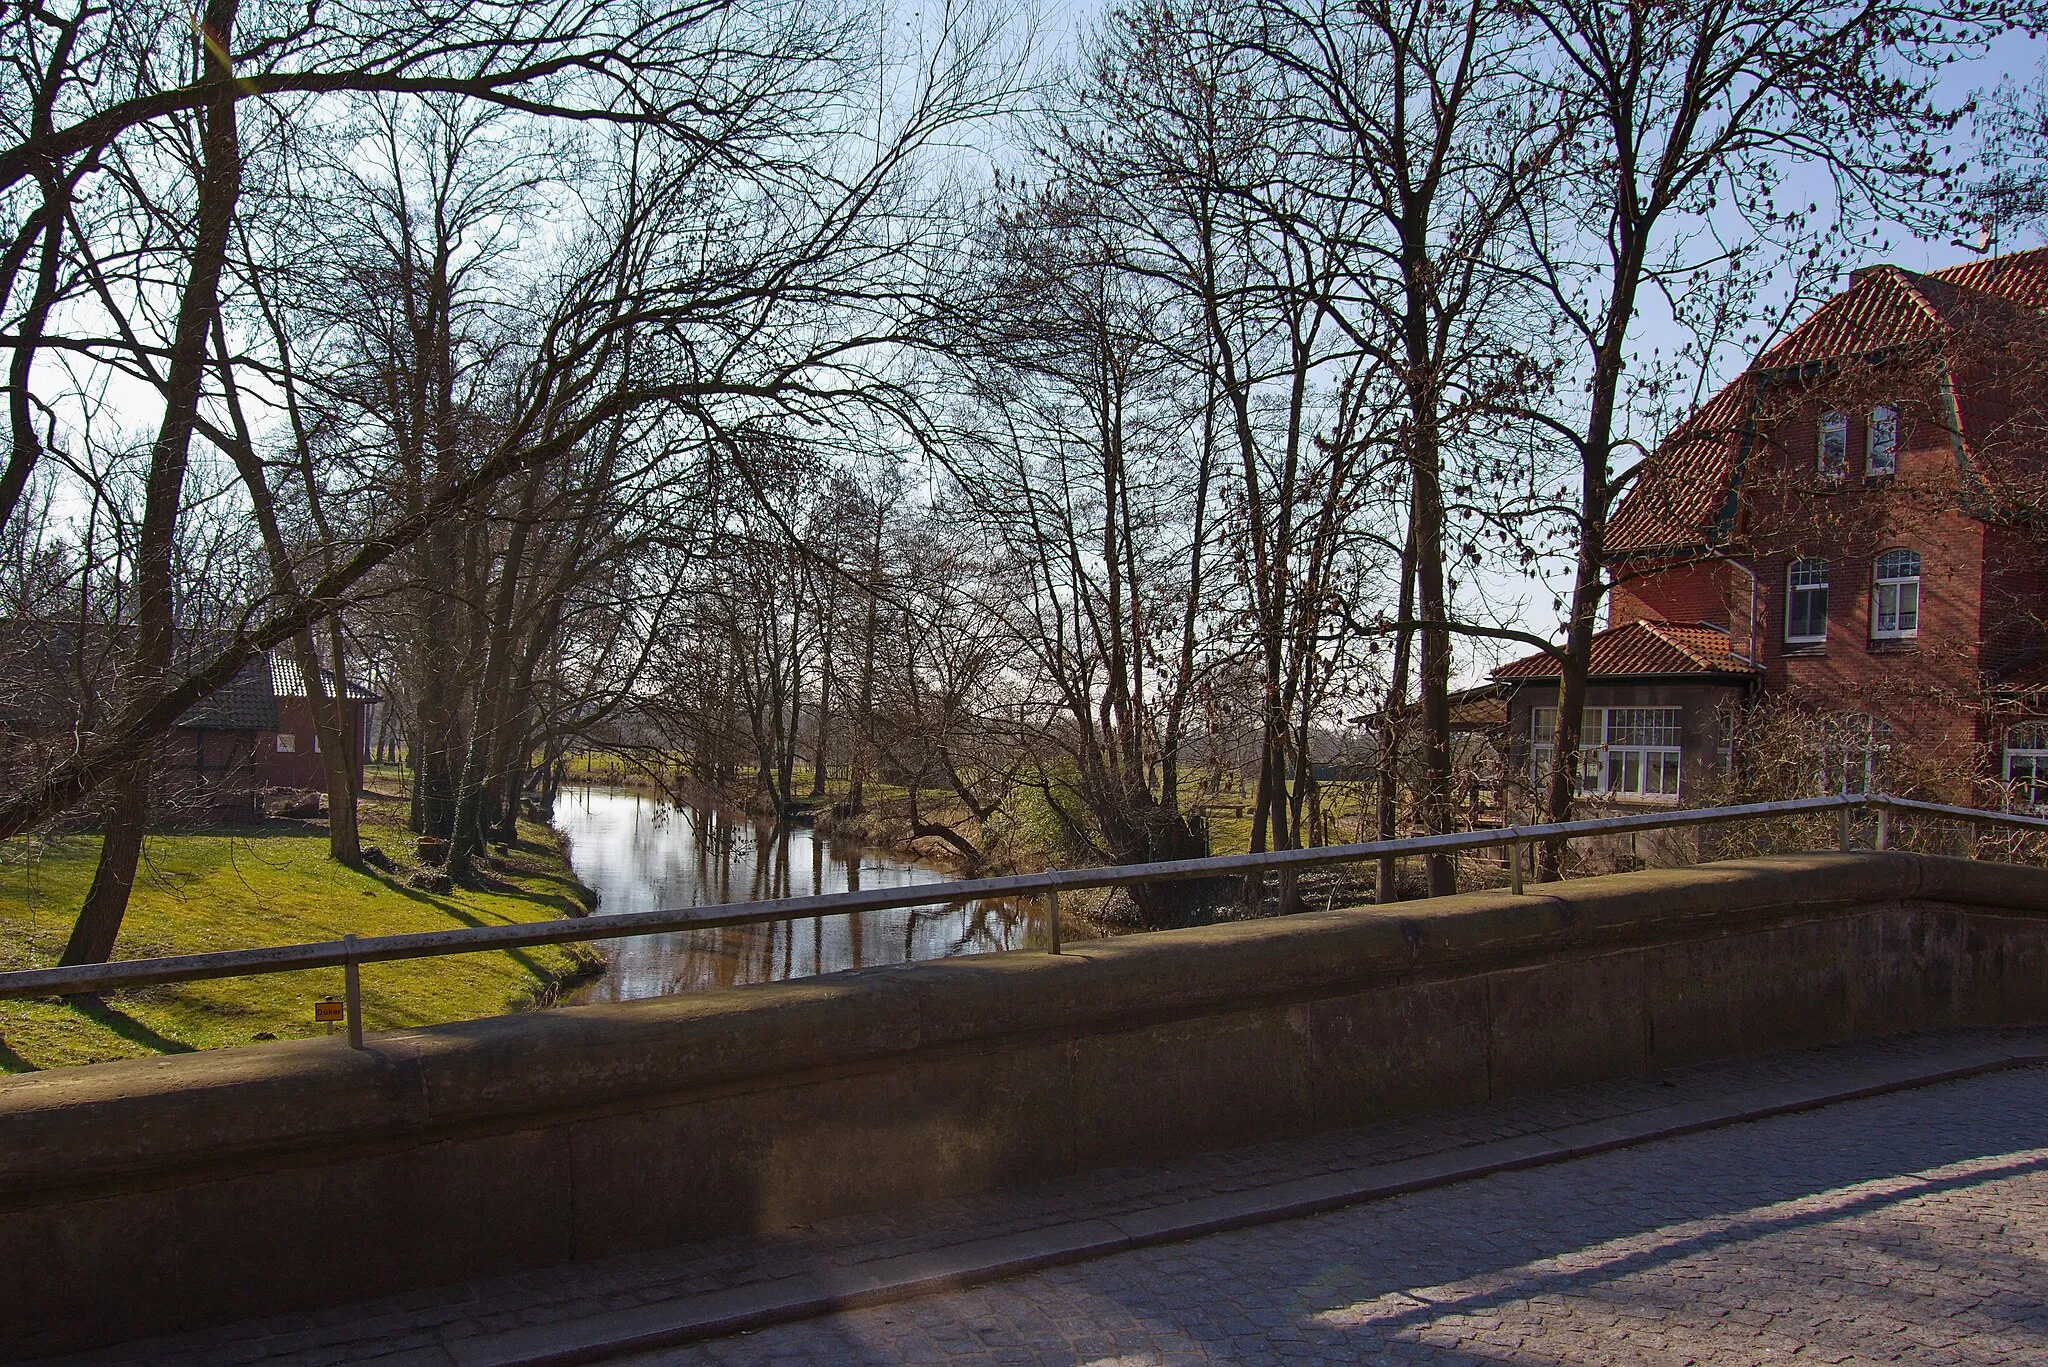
(809, 1295)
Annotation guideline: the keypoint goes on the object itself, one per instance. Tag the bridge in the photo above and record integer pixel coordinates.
(160, 1197)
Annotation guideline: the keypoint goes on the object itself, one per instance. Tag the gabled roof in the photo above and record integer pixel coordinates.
(1683, 497)
(287, 680)
(246, 703)
(45, 677)
(2021, 277)
(1643, 649)
(52, 670)
(1684, 490)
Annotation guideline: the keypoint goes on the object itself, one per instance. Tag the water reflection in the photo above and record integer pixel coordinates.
(642, 854)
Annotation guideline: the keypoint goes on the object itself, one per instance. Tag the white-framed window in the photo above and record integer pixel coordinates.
(1806, 601)
(1895, 596)
(1852, 754)
(1623, 751)
(2026, 766)
(1834, 445)
(287, 743)
(1642, 751)
(1881, 447)
(1544, 738)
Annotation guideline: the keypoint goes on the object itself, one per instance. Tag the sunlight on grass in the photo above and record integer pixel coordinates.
(238, 888)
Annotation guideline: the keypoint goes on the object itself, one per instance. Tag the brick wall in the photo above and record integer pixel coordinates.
(1925, 688)
(301, 767)
(1686, 591)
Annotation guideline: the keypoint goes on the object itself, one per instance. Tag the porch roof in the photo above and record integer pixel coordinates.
(1645, 649)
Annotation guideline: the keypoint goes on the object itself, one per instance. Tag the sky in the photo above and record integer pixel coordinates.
(1526, 599)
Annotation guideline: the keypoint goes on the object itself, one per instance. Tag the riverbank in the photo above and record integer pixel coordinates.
(243, 887)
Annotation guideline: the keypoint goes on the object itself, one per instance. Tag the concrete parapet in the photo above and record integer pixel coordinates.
(145, 1197)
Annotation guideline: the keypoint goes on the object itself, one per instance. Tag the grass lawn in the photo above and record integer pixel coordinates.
(241, 887)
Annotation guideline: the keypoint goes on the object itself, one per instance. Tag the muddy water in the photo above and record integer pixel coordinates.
(643, 854)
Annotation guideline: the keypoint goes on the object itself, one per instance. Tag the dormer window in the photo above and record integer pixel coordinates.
(1806, 602)
(1882, 455)
(1834, 445)
(1895, 596)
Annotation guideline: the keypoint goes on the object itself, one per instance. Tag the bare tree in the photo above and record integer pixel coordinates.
(740, 255)
(1687, 118)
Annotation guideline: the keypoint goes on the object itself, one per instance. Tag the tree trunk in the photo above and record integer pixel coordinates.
(125, 818)
(865, 718)
(826, 683)
(337, 742)
(1436, 674)
(332, 735)
(127, 814)
(492, 702)
(1387, 781)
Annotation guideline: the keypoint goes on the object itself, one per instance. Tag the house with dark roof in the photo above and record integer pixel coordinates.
(1858, 525)
(254, 733)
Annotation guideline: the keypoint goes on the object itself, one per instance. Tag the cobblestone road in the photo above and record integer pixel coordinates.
(1906, 1228)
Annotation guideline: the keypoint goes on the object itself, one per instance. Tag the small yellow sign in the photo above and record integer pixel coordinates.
(329, 1011)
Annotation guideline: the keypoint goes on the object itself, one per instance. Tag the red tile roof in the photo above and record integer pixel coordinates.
(1682, 491)
(2021, 277)
(1639, 648)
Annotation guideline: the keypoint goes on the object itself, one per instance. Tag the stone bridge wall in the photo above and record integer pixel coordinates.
(144, 1197)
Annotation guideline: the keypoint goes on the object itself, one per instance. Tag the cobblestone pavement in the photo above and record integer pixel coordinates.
(1628, 1240)
(1910, 1228)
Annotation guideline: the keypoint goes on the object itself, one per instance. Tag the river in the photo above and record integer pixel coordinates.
(643, 854)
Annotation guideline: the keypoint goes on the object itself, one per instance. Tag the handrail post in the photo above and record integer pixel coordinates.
(1052, 919)
(1884, 827)
(1515, 867)
(352, 993)
(1848, 827)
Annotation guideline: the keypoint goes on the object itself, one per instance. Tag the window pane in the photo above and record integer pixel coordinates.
(1809, 614)
(1834, 445)
(2026, 764)
(1806, 600)
(1883, 456)
(1909, 607)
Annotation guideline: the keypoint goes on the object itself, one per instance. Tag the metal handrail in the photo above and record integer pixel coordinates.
(350, 952)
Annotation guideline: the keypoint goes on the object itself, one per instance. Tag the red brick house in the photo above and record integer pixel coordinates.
(253, 734)
(289, 755)
(1856, 528)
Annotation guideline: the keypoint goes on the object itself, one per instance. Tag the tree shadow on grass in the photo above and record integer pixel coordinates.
(468, 918)
(126, 1026)
(11, 1062)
